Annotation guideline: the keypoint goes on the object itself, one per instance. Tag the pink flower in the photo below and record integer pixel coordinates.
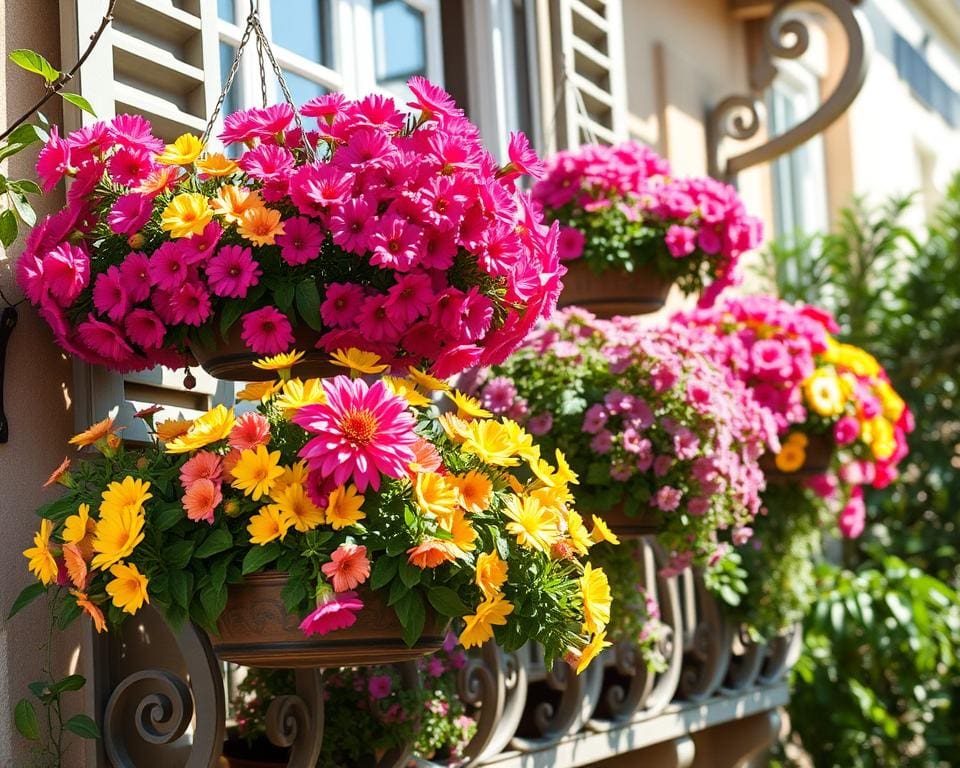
(379, 686)
(129, 214)
(233, 272)
(325, 107)
(199, 247)
(201, 499)
(203, 465)
(476, 315)
(251, 430)
(540, 423)
(662, 465)
(267, 331)
(352, 225)
(594, 419)
(341, 305)
(362, 431)
(337, 611)
(301, 240)
(570, 244)
(348, 567)
(409, 299)
(256, 123)
(190, 304)
(53, 162)
(135, 276)
(267, 162)
(104, 339)
(853, 517)
(498, 394)
(134, 132)
(168, 266)
(129, 166)
(455, 360)
(681, 241)
(395, 244)
(667, 499)
(109, 298)
(523, 158)
(846, 430)
(66, 272)
(602, 442)
(145, 328)
(432, 100)
(374, 322)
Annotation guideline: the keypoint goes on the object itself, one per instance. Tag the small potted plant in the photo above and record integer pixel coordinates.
(662, 440)
(630, 229)
(336, 522)
(389, 231)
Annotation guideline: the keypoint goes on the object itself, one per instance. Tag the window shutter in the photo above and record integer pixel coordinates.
(159, 59)
(588, 61)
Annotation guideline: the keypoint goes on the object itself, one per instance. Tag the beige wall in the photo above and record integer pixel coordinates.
(37, 403)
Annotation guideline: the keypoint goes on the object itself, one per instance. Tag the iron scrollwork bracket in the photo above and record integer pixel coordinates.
(785, 36)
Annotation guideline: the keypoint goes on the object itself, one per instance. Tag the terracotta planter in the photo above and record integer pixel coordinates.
(644, 523)
(231, 360)
(819, 451)
(256, 631)
(614, 291)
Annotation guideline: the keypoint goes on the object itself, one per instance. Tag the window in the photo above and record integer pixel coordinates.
(925, 84)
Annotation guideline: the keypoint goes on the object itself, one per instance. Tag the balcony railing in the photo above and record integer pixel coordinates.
(714, 705)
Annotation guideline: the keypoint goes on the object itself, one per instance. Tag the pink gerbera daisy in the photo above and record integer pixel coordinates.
(104, 339)
(109, 296)
(341, 305)
(168, 266)
(267, 331)
(374, 323)
(201, 499)
(134, 132)
(204, 465)
(202, 246)
(301, 240)
(53, 162)
(251, 430)
(335, 612)
(409, 299)
(267, 162)
(233, 272)
(190, 304)
(145, 328)
(130, 213)
(348, 568)
(66, 272)
(352, 225)
(130, 166)
(362, 431)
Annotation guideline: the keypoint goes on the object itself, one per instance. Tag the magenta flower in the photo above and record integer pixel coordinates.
(135, 276)
(168, 266)
(498, 394)
(362, 432)
(523, 158)
(199, 247)
(109, 296)
(301, 240)
(66, 272)
(190, 304)
(409, 299)
(681, 241)
(267, 162)
(395, 244)
(53, 162)
(338, 611)
(352, 225)
(129, 214)
(104, 339)
(341, 305)
(846, 430)
(667, 498)
(374, 322)
(130, 167)
(853, 517)
(134, 132)
(233, 272)
(540, 423)
(145, 328)
(267, 331)
(379, 686)
(454, 360)
(570, 244)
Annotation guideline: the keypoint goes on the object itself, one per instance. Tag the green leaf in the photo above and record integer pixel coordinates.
(82, 726)
(284, 295)
(409, 574)
(219, 540)
(398, 590)
(23, 208)
(383, 571)
(27, 595)
(308, 304)
(26, 187)
(69, 683)
(34, 62)
(25, 718)
(181, 583)
(229, 315)
(178, 555)
(412, 617)
(27, 134)
(166, 517)
(214, 601)
(78, 101)
(8, 227)
(259, 556)
(447, 602)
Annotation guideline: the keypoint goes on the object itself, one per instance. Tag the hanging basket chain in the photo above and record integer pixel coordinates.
(231, 75)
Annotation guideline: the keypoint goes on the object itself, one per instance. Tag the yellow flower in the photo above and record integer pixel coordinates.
(521, 440)
(407, 390)
(343, 507)
(595, 591)
(434, 495)
(426, 381)
(129, 495)
(260, 226)
(92, 434)
(294, 501)
(40, 559)
(256, 472)
(259, 390)
(479, 627)
(117, 534)
(213, 426)
(77, 526)
(183, 151)
(474, 490)
(186, 215)
(824, 393)
(297, 393)
(233, 202)
(883, 442)
(564, 474)
(170, 429)
(491, 441)
(577, 532)
(292, 475)
(128, 588)
(791, 457)
(591, 650)
(534, 525)
(357, 360)
(216, 165)
(491, 574)
(468, 407)
(457, 429)
(799, 439)
(269, 524)
(282, 362)
(602, 532)
(893, 405)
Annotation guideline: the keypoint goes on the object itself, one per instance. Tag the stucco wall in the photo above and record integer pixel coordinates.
(37, 402)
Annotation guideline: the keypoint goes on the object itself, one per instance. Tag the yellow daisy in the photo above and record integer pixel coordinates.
(282, 362)
(216, 165)
(293, 501)
(260, 225)
(256, 472)
(468, 407)
(479, 626)
(474, 490)
(93, 433)
(128, 588)
(358, 361)
(595, 591)
(297, 393)
(183, 151)
(426, 381)
(591, 650)
(269, 524)
(601, 532)
(435, 497)
(259, 390)
(233, 202)
(534, 525)
(186, 215)
(213, 426)
(40, 559)
(76, 527)
(491, 573)
(343, 507)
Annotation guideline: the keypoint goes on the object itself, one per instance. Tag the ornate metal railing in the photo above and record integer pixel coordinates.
(163, 704)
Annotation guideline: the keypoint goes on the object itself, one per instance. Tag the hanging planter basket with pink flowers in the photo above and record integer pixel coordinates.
(344, 223)
(630, 230)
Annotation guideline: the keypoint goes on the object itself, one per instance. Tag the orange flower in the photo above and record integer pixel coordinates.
(76, 565)
(431, 553)
(171, 429)
(260, 225)
(159, 180)
(94, 433)
(59, 474)
(216, 165)
(90, 609)
(232, 202)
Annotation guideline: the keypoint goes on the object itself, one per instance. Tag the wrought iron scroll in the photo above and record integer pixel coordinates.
(738, 118)
(296, 720)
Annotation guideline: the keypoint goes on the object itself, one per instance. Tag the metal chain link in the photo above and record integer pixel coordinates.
(231, 75)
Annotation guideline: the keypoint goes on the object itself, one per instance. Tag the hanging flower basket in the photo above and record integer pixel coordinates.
(614, 292)
(640, 522)
(818, 456)
(630, 229)
(256, 630)
(232, 360)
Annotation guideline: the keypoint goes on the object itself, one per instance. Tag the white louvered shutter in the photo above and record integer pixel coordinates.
(160, 60)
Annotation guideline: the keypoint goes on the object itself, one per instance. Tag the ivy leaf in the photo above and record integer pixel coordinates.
(447, 602)
(218, 541)
(27, 595)
(78, 101)
(259, 556)
(25, 718)
(8, 227)
(34, 62)
(308, 304)
(82, 726)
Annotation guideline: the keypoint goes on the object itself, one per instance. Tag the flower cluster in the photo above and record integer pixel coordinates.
(348, 487)
(395, 233)
(369, 710)
(817, 390)
(620, 207)
(645, 420)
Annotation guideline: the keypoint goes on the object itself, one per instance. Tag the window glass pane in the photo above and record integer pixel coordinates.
(303, 26)
(400, 46)
(232, 101)
(227, 11)
(301, 88)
